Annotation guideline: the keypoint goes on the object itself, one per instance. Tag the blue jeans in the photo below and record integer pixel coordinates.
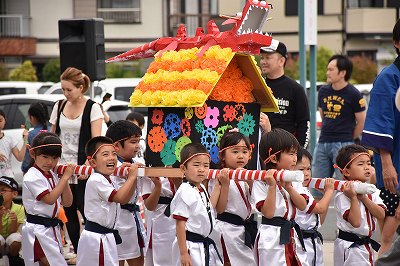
(323, 160)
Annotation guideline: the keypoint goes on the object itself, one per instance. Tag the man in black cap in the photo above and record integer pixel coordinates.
(13, 216)
(294, 114)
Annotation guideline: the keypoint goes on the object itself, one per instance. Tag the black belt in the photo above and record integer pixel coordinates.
(47, 222)
(197, 238)
(250, 226)
(313, 234)
(358, 241)
(166, 201)
(285, 226)
(131, 207)
(96, 228)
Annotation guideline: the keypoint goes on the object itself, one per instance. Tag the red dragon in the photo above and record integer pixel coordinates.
(246, 35)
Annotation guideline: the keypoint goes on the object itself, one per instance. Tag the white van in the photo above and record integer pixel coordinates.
(119, 88)
(23, 87)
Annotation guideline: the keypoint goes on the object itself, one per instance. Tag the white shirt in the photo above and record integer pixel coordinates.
(7, 143)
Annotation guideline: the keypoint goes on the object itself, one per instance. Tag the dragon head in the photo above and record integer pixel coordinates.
(252, 18)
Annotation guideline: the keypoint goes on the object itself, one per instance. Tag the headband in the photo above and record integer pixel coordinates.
(44, 145)
(358, 155)
(133, 136)
(233, 146)
(89, 157)
(194, 155)
(270, 155)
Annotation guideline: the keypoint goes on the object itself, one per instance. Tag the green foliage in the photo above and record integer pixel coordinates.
(131, 69)
(292, 68)
(25, 72)
(364, 70)
(3, 72)
(52, 71)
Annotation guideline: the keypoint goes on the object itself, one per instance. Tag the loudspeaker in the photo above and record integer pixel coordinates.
(82, 46)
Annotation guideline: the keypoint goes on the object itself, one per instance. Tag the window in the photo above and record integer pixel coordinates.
(123, 93)
(364, 3)
(291, 7)
(119, 11)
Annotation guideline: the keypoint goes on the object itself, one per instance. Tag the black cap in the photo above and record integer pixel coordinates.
(9, 182)
(275, 47)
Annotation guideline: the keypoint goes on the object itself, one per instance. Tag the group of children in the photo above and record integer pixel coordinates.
(195, 221)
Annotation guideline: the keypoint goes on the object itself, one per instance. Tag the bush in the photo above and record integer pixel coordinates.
(131, 69)
(364, 70)
(52, 70)
(25, 72)
(3, 72)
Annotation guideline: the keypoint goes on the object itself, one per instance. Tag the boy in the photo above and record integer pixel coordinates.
(138, 119)
(13, 216)
(314, 215)
(356, 214)
(99, 240)
(126, 136)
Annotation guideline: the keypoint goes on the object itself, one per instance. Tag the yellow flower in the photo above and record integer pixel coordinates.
(146, 98)
(136, 97)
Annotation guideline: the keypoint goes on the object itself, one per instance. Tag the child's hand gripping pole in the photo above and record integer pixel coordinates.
(243, 174)
(360, 188)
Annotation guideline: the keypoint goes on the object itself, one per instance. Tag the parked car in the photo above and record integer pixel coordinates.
(119, 88)
(16, 109)
(23, 87)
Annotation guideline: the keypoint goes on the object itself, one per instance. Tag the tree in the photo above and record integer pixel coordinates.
(364, 70)
(51, 71)
(3, 72)
(25, 72)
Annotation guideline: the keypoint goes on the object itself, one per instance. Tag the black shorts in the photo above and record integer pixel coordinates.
(391, 201)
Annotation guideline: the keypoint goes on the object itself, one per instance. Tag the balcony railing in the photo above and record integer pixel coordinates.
(119, 15)
(11, 26)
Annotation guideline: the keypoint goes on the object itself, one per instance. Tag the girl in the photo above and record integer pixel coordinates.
(75, 119)
(278, 201)
(43, 193)
(9, 146)
(38, 117)
(191, 208)
(233, 205)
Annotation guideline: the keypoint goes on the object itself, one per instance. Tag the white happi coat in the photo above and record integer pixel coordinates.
(189, 203)
(307, 221)
(35, 186)
(99, 208)
(233, 235)
(128, 224)
(361, 255)
(160, 228)
(267, 250)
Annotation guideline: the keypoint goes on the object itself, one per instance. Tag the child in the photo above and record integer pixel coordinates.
(278, 201)
(38, 117)
(42, 194)
(12, 217)
(125, 136)
(233, 205)
(191, 208)
(314, 215)
(8, 145)
(99, 240)
(356, 214)
(138, 119)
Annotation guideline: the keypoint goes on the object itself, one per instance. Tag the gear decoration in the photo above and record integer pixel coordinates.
(189, 112)
(180, 143)
(221, 131)
(168, 153)
(185, 127)
(212, 115)
(157, 116)
(246, 125)
(172, 125)
(229, 113)
(214, 152)
(240, 111)
(156, 139)
(200, 112)
(199, 126)
(209, 138)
